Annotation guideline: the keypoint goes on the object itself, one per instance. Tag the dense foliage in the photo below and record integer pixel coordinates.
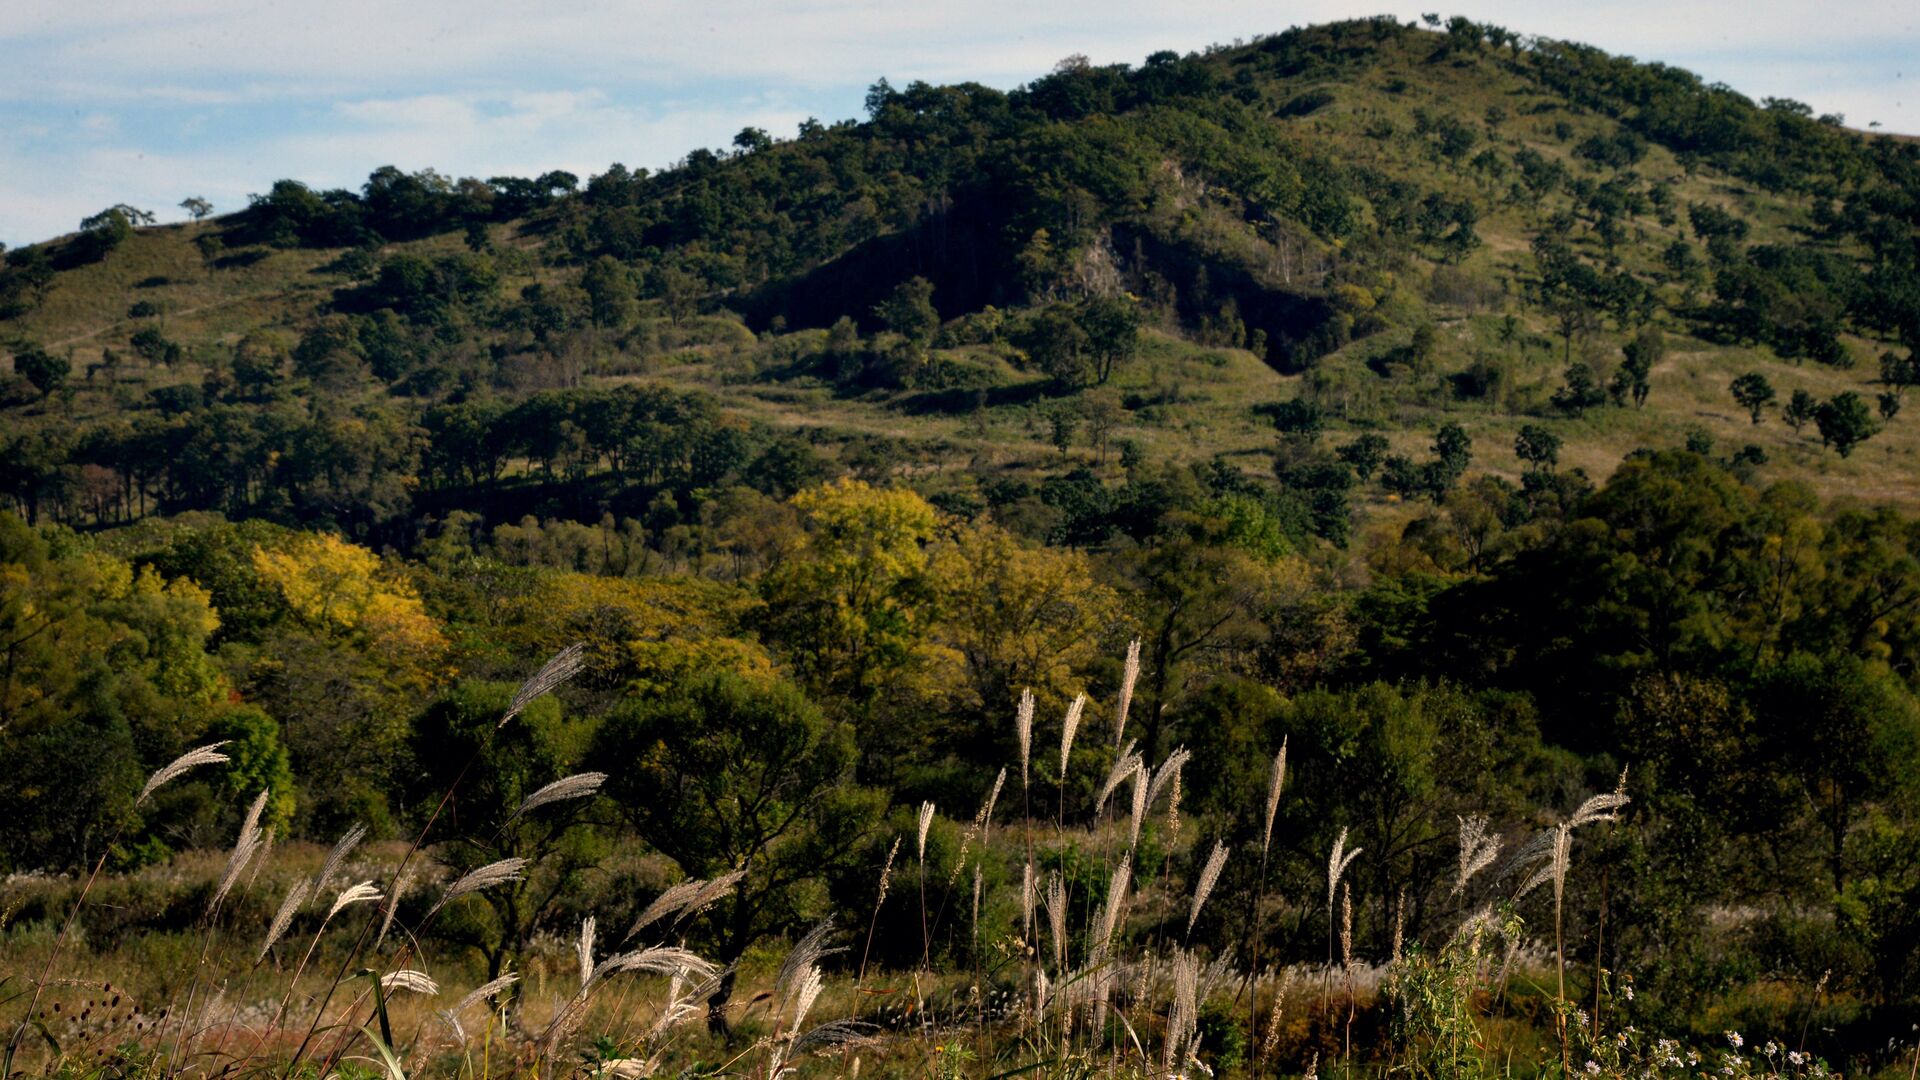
(329, 534)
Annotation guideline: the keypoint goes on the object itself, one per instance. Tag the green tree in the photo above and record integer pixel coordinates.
(1639, 355)
(1753, 392)
(44, 370)
(1538, 447)
(196, 207)
(103, 232)
(1800, 409)
(1112, 327)
(1580, 392)
(1057, 346)
(1452, 452)
(1062, 423)
(909, 311)
(1844, 422)
(726, 775)
(1365, 454)
(610, 293)
(508, 764)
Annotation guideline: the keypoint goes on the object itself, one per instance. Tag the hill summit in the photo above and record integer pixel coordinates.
(1367, 227)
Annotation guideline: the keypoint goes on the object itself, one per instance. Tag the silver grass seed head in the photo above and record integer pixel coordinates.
(1069, 727)
(337, 857)
(413, 982)
(483, 991)
(984, 820)
(1168, 773)
(555, 673)
(1124, 765)
(1209, 876)
(577, 786)
(353, 894)
(926, 822)
(1023, 731)
(583, 949)
(1337, 864)
(886, 872)
(192, 759)
(296, 895)
(244, 848)
(391, 905)
(1277, 779)
(1478, 849)
(1129, 675)
(1138, 816)
(1346, 926)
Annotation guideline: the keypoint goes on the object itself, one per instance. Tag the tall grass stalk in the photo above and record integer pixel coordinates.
(556, 672)
(192, 759)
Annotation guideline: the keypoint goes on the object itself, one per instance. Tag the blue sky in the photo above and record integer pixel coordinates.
(150, 101)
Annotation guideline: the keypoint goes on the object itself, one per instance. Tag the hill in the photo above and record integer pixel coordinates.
(1390, 423)
(1396, 228)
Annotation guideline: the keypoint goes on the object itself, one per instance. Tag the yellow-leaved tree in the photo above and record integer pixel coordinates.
(1019, 617)
(343, 588)
(850, 599)
(642, 635)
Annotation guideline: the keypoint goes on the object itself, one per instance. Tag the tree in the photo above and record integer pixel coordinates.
(103, 232)
(1844, 422)
(1102, 411)
(1800, 409)
(727, 775)
(1365, 454)
(1753, 392)
(1063, 421)
(1112, 327)
(1635, 376)
(541, 745)
(1018, 616)
(1057, 345)
(1889, 405)
(848, 600)
(1192, 597)
(1580, 392)
(909, 311)
(1538, 447)
(610, 293)
(44, 370)
(1453, 452)
(196, 207)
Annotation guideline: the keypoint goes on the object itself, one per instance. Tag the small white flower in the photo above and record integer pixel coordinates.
(1593, 1067)
(1796, 1057)
(1734, 1038)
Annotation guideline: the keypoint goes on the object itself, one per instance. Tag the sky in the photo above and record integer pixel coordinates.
(151, 101)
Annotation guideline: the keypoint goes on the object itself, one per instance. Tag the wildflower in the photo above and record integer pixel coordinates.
(1593, 1067)
(1734, 1038)
(1796, 1057)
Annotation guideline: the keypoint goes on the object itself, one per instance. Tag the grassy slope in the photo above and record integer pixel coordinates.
(209, 307)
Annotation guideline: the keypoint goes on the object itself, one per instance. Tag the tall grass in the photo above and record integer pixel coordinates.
(1121, 984)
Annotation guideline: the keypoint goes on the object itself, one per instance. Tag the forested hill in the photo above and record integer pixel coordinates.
(1350, 263)
(1469, 417)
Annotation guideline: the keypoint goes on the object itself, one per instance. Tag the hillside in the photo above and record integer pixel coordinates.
(1481, 459)
(1405, 228)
